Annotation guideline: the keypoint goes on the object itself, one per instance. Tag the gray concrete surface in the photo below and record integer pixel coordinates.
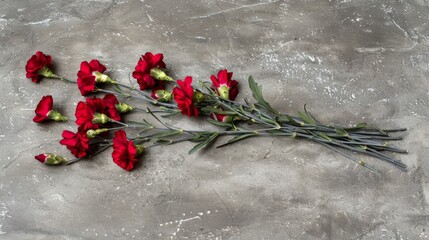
(350, 61)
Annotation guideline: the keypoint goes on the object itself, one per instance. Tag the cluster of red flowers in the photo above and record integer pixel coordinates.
(96, 116)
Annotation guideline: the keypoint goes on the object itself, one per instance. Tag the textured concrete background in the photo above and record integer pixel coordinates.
(350, 61)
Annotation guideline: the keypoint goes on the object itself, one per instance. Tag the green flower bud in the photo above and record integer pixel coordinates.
(198, 97)
(46, 72)
(158, 74)
(92, 133)
(140, 149)
(100, 118)
(223, 91)
(162, 95)
(102, 78)
(123, 108)
(56, 116)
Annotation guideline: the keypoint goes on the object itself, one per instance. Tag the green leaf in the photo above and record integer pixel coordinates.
(323, 135)
(216, 110)
(204, 143)
(282, 119)
(257, 94)
(220, 124)
(293, 122)
(144, 130)
(144, 123)
(269, 120)
(309, 114)
(117, 88)
(161, 140)
(166, 134)
(237, 138)
(306, 118)
(342, 132)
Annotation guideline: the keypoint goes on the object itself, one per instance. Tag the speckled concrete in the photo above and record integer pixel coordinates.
(350, 61)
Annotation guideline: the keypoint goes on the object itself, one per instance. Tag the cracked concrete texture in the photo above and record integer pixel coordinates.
(350, 61)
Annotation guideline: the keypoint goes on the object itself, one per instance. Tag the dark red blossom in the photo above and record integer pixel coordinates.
(43, 108)
(184, 97)
(41, 157)
(83, 113)
(125, 152)
(143, 70)
(86, 84)
(38, 66)
(224, 86)
(77, 143)
(85, 110)
(44, 111)
(88, 74)
(110, 102)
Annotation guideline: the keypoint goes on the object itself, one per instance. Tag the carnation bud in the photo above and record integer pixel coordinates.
(93, 133)
(158, 74)
(222, 118)
(102, 78)
(162, 95)
(100, 118)
(223, 91)
(46, 72)
(123, 108)
(198, 97)
(140, 149)
(56, 116)
(50, 159)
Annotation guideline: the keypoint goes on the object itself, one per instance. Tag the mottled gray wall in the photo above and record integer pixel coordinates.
(350, 61)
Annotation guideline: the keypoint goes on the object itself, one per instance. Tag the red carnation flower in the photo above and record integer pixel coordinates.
(184, 96)
(86, 84)
(110, 101)
(97, 104)
(224, 86)
(125, 152)
(43, 108)
(146, 65)
(90, 74)
(85, 111)
(44, 111)
(38, 67)
(77, 143)
(90, 68)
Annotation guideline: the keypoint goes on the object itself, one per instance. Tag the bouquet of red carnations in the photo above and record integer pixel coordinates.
(101, 125)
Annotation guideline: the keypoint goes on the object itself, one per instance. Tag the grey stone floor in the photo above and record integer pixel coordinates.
(349, 61)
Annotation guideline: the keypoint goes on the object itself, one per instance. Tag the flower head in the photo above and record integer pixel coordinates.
(89, 75)
(38, 67)
(44, 111)
(106, 107)
(184, 97)
(125, 152)
(77, 143)
(148, 72)
(110, 102)
(224, 86)
(50, 159)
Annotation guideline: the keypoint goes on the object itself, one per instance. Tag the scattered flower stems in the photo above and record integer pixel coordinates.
(100, 118)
